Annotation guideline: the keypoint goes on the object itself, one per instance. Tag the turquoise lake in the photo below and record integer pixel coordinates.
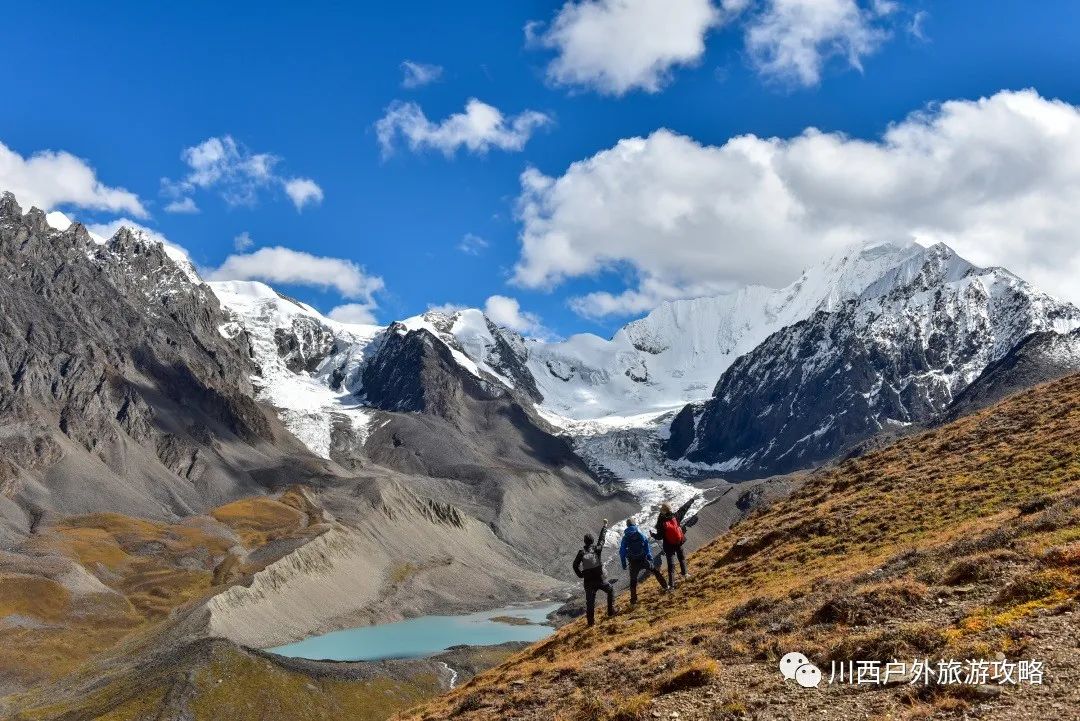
(424, 636)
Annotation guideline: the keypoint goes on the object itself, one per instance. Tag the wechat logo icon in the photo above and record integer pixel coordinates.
(797, 667)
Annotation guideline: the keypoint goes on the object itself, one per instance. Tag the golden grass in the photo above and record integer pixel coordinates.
(260, 519)
(33, 596)
(153, 567)
(794, 575)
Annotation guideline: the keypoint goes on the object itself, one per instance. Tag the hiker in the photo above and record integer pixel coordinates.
(590, 568)
(669, 532)
(634, 550)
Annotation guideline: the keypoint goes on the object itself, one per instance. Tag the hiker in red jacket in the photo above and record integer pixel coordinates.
(669, 531)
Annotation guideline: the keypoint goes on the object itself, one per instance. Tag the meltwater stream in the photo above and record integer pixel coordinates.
(426, 635)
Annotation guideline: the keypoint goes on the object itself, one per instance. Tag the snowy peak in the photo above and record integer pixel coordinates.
(898, 354)
(923, 270)
(676, 353)
(894, 331)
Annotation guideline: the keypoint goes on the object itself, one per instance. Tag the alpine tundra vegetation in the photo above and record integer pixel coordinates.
(596, 360)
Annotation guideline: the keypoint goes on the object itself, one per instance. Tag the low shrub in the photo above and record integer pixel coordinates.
(698, 672)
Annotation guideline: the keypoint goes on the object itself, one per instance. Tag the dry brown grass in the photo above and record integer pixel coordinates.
(259, 520)
(990, 499)
(153, 567)
(698, 671)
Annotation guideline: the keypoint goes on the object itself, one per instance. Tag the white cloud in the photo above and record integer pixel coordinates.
(182, 205)
(51, 178)
(415, 75)
(791, 40)
(506, 311)
(615, 46)
(478, 129)
(283, 265)
(917, 26)
(243, 241)
(303, 191)
(998, 179)
(236, 173)
(472, 244)
(361, 313)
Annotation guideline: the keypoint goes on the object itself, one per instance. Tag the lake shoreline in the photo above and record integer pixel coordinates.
(425, 637)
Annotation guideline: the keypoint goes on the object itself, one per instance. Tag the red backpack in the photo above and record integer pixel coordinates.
(673, 533)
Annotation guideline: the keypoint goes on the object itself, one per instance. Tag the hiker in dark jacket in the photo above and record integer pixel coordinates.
(635, 552)
(669, 531)
(589, 566)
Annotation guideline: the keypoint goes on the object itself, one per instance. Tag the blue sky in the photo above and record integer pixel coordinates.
(127, 87)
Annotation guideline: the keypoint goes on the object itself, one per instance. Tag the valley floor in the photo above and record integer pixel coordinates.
(962, 542)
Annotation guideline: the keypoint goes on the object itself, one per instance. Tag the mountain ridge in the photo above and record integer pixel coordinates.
(899, 354)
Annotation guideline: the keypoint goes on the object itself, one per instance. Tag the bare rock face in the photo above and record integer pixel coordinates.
(512, 471)
(1039, 358)
(112, 365)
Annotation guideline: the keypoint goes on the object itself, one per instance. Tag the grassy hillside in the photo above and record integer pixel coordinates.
(81, 584)
(962, 542)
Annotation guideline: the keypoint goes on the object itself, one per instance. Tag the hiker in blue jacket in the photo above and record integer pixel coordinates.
(635, 552)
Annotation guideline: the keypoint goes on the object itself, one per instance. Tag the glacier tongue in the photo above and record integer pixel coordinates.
(308, 402)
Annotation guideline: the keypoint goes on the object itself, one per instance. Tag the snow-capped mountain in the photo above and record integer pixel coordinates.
(676, 353)
(878, 335)
(899, 353)
(307, 363)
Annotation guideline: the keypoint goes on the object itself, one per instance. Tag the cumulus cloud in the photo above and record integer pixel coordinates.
(51, 178)
(362, 313)
(615, 46)
(472, 244)
(182, 205)
(415, 75)
(791, 40)
(243, 241)
(507, 312)
(997, 178)
(236, 173)
(480, 128)
(303, 191)
(294, 267)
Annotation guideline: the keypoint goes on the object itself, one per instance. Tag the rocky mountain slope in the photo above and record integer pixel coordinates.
(957, 543)
(116, 389)
(900, 353)
(1041, 357)
(411, 398)
(146, 435)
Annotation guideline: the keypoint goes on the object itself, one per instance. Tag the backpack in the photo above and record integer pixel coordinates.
(637, 548)
(591, 562)
(673, 533)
